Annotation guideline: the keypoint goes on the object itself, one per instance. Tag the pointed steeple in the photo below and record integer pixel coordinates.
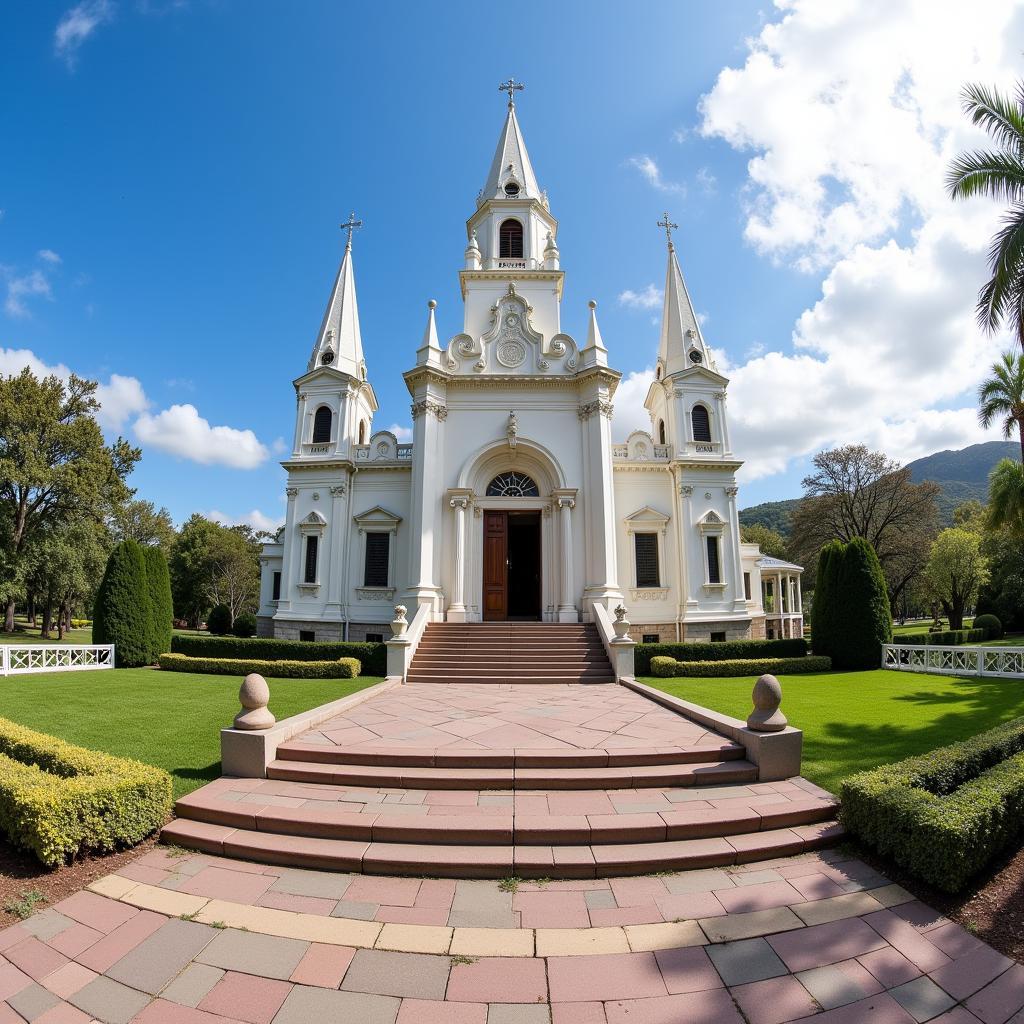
(594, 353)
(511, 164)
(339, 343)
(682, 345)
(429, 353)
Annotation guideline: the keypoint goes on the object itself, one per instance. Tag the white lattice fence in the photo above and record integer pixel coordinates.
(1002, 662)
(17, 659)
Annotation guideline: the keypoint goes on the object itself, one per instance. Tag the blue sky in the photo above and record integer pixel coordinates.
(174, 174)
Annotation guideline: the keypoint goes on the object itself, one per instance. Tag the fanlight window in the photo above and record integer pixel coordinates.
(512, 485)
(510, 240)
(322, 425)
(701, 423)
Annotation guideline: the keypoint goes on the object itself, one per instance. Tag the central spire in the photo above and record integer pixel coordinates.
(511, 175)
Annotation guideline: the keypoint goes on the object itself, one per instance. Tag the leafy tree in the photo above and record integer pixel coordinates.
(825, 609)
(999, 174)
(55, 468)
(956, 570)
(770, 542)
(161, 606)
(1001, 397)
(1006, 497)
(863, 614)
(142, 521)
(218, 621)
(122, 615)
(244, 625)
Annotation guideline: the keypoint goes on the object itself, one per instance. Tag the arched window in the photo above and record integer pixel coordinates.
(701, 423)
(510, 240)
(322, 425)
(362, 431)
(512, 485)
(661, 432)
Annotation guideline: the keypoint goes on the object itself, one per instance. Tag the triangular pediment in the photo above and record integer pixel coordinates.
(647, 515)
(314, 519)
(711, 518)
(378, 515)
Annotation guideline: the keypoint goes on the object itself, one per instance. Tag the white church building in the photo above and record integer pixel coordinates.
(514, 501)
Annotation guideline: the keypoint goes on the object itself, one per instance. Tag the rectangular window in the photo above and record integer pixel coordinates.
(718, 638)
(651, 638)
(646, 547)
(307, 635)
(378, 550)
(375, 638)
(312, 544)
(714, 568)
(275, 593)
(746, 585)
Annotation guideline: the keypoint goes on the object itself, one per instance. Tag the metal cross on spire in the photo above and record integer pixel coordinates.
(668, 226)
(511, 87)
(349, 226)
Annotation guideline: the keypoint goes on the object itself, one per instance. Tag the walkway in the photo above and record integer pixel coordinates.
(190, 938)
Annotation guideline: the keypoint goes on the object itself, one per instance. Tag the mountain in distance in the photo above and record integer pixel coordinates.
(961, 475)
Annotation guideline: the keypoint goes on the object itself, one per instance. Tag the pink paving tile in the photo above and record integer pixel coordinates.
(232, 886)
(74, 940)
(878, 1009)
(436, 893)
(67, 980)
(297, 904)
(968, 974)
(12, 980)
(711, 1007)
(954, 941)
(412, 915)
(689, 906)
(908, 940)
(815, 886)
(105, 953)
(958, 1015)
(774, 1001)
(921, 916)
(607, 976)
(688, 969)
(35, 958)
(142, 873)
(161, 1011)
(498, 980)
(431, 1011)
(552, 909)
(395, 892)
(889, 966)
(823, 944)
(634, 892)
(246, 998)
(998, 1001)
(12, 936)
(605, 918)
(861, 977)
(578, 1013)
(323, 966)
(63, 1013)
(96, 911)
(764, 896)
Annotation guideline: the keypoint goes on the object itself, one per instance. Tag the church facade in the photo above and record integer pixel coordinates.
(514, 501)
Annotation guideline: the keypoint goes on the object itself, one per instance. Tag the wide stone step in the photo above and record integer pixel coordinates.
(498, 860)
(414, 777)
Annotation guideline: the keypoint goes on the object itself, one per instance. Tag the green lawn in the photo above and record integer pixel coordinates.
(169, 719)
(858, 720)
(921, 626)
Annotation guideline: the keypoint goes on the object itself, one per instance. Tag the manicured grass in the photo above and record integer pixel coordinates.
(921, 626)
(25, 635)
(858, 720)
(169, 719)
(1013, 640)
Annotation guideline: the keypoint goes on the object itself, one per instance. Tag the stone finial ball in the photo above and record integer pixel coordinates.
(254, 693)
(767, 693)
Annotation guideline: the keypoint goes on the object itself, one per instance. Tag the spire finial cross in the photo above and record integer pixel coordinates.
(668, 226)
(349, 226)
(511, 87)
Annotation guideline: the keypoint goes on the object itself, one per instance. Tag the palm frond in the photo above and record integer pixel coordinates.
(999, 116)
(986, 172)
(1000, 295)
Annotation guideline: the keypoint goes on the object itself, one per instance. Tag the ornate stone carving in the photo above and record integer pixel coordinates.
(339, 490)
(569, 503)
(429, 405)
(732, 491)
(686, 490)
(291, 491)
(512, 429)
(460, 501)
(588, 409)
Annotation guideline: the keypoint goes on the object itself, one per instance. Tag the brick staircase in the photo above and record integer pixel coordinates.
(510, 652)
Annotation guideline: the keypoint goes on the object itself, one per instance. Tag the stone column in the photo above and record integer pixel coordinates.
(567, 605)
(429, 413)
(342, 432)
(339, 540)
(300, 422)
(723, 421)
(738, 601)
(290, 530)
(685, 525)
(457, 608)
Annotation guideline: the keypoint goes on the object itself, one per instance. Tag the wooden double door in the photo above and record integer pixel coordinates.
(511, 565)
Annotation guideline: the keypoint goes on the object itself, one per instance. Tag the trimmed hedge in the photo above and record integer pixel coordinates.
(161, 607)
(730, 650)
(122, 614)
(372, 656)
(244, 625)
(943, 638)
(944, 815)
(669, 668)
(59, 800)
(342, 668)
(218, 621)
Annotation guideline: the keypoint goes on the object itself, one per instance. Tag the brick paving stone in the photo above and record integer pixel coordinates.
(322, 884)
(687, 970)
(517, 1013)
(637, 892)
(824, 944)
(954, 941)
(958, 1015)
(190, 987)
(920, 915)
(833, 986)
(745, 961)
(763, 896)
(35, 958)
(395, 892)
(356, 910)
(552, 910)
(998, 1001)
(12, 936)
(754, 876)
(703, 880)
(297, 904)
(379, 972)
(432, 1011)
(689, 906)
(922, 998)
(481, 905)
(815, 886)
(575, 1013)
(604, 976)
(323, 965)
(233, 886)
(712, 1007)
(9, 1016)
(876, 1009)
(908, 940)
(245, 998)
(748, 926)
(308, 1005)
(11, 979)
(109, 1001)
(499, 980)
(889, 966)
(162, 1011)
(74, 940)
(46, 924)
(964, 976)
(161, 957)
(96, 911)
(599, 899)
(33, 1001)
(63, 1013)
(68, 979)
(436, 893)
(115, 944)
(268, 956)
(774, 1000)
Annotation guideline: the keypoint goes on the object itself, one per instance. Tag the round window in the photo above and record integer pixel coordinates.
(512, 189)
(696, 357)
(327, 358)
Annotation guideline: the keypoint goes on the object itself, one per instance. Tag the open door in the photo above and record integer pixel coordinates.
(495, 566)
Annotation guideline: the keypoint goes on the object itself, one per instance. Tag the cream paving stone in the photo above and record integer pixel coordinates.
(749, 926)
(670, 935)
(337, 931)
(580, 941)
(492, 942)
(113, 886)
(414, 938)
(836, 908)
(164, 901)
(891, 895)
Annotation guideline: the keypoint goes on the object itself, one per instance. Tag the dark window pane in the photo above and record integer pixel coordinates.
(701, 423)
(746, 585)
(714, 569)
(651, 638)
(377, 550)
(647, 560)
(510, 240)
(512, 485)
(312, 543)
(276, 593)
(307, 635)
(322, 425)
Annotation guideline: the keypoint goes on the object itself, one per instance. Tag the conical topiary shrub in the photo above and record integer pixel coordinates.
(218, 621)
(864, 620)
(122, 616)
(161, 605)
(826, 606)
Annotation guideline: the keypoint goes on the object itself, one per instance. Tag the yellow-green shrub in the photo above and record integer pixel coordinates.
(669, 668)
(342, 668)
(59, 800)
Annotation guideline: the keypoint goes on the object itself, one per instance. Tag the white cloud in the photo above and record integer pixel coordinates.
(707, 181)
(652, 173)
(21, 287)
(49, 256)
(279, 446)
(181, 431)
(120, 398)
(404, 434)
(256, 519)
(647, 298)
(77, 24)
(628, 412)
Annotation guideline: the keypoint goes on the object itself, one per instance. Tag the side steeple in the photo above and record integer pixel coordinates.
(339, 343)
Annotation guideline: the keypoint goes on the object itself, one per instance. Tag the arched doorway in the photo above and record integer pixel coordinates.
(512, 552)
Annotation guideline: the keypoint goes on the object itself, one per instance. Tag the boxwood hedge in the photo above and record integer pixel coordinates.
(339, 668)
(944, 638)
(944, 815)
(668, 668)
(372, 656)
(59, 800)
(730, 650)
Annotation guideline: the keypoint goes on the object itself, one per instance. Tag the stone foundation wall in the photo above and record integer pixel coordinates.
(358, 630)
(700, 632)
(758, 631)
(264, 626)
(290, 630)
(665, 632)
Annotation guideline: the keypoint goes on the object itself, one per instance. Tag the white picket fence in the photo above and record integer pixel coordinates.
(16, 659)
(1000, 662)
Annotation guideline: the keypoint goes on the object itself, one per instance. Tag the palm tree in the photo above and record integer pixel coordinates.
(1001, 397)
(1006, 496)
(999, 174)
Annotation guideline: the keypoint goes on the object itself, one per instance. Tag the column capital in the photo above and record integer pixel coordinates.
(732, 491)
(686, 490)
(291, 491)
